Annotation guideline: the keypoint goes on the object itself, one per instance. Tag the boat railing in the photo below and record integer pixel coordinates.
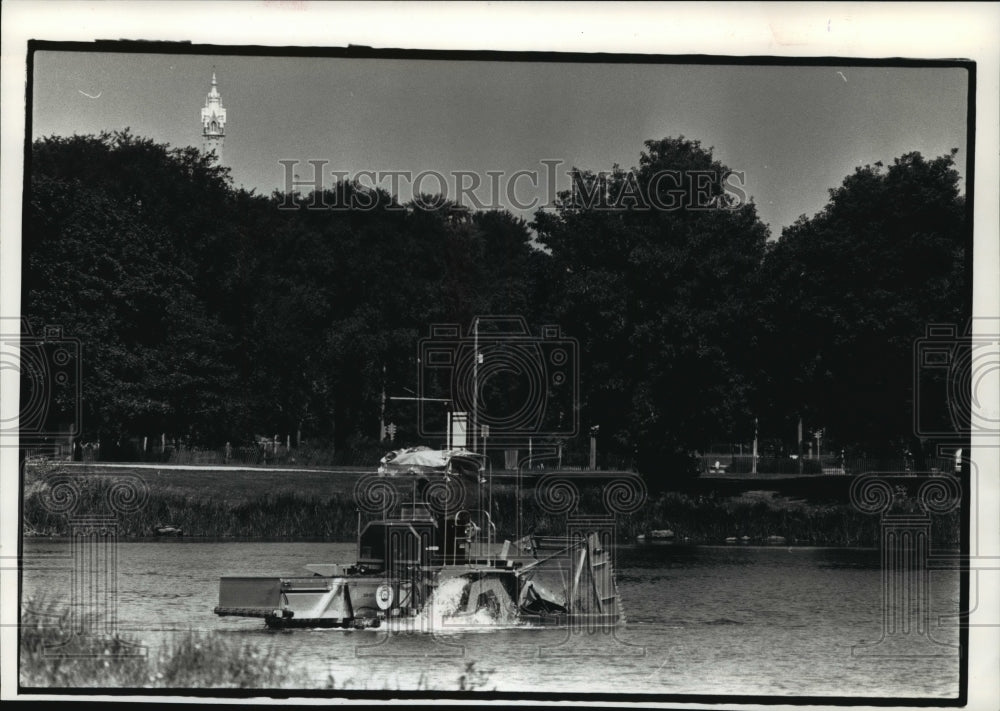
(476, 547)
(415, 512)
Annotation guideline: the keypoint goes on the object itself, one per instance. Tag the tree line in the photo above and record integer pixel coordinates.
(206, 312)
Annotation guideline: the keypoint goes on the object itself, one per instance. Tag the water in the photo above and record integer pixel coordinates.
(738, 620)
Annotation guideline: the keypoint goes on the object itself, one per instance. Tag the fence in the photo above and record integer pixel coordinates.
(261, 453)
(568, 459)
(742, 465)
(367, 455)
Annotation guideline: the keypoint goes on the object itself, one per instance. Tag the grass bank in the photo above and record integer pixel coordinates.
(50, 659)
(321, 505)
(758, 515)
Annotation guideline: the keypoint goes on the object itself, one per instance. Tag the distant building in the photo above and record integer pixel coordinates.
(213, 123)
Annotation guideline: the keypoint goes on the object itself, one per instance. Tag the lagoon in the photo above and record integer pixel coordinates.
(706, 620)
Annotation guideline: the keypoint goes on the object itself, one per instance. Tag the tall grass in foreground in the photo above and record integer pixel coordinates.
(51, 657)
(189, 660)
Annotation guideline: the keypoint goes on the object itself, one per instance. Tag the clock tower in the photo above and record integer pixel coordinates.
(213, 123)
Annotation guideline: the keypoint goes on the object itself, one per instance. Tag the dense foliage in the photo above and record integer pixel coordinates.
(849, 292)
(662, 300)
(214, 314)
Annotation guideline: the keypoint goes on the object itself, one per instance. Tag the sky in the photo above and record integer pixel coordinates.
(795, 132)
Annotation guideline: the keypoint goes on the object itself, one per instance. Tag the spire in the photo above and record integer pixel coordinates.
(213, 98)
(213, 121)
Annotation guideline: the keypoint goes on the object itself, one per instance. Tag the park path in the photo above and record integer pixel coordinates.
(499, 475)
(218, 467)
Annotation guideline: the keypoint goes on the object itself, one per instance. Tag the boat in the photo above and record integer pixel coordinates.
(659, 535)
(424, 460)
(168, 529)
(436, 553)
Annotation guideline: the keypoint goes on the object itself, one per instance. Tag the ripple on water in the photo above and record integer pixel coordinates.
(709, 620)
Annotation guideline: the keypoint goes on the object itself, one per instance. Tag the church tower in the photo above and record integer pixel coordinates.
(213, 123)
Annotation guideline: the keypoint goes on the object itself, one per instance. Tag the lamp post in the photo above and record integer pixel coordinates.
(381, 416)
(800, 444)
(475, 382)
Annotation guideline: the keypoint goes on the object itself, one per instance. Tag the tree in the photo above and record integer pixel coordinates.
(848, 292)
(109, 256)
(216, 314)
(654, 271)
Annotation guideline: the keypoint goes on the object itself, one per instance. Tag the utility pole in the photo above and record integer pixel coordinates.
(475, 382)
(381, 417)
(419, 399)
(800, 444)
(754, 463)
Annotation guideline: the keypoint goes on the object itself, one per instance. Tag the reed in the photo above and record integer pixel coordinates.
(765, 514)
(284, 514)
(52, 659)
(295, 512)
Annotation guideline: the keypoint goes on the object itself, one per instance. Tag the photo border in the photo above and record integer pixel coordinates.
(982, 223)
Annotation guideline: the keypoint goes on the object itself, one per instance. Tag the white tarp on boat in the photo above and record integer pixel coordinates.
(424, 460)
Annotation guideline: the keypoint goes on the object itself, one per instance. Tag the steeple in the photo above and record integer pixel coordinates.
(213, 122)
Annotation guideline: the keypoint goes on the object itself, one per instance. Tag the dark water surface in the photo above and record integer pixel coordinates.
(700, 620)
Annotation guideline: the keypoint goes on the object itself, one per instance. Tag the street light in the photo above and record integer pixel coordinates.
(476, 360)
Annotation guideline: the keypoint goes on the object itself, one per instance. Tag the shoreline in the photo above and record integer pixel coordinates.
(197, 540)
(312, 506)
